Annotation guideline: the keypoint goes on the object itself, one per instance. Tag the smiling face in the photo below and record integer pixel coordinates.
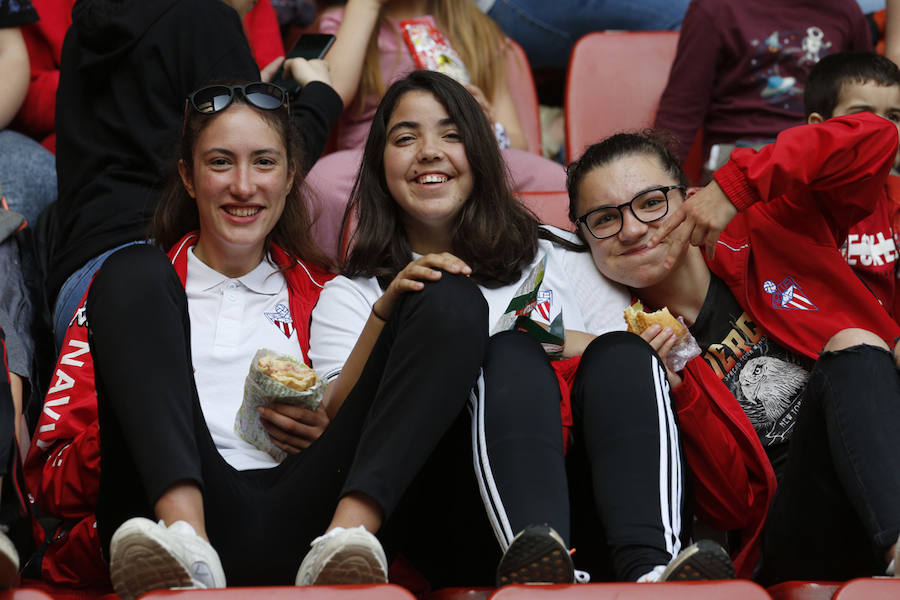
(625, 257)
(239, 179)
(426, 169)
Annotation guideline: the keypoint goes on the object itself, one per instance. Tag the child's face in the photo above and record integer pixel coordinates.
(883, 100)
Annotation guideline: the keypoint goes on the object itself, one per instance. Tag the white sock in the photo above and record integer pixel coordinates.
(653, 575)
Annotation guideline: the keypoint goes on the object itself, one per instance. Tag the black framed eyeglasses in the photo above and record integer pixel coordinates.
(215, 98)
(648, 206)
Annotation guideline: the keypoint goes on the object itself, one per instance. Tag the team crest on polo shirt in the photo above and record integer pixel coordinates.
(544, 302)
(788, 295)
(281, 318)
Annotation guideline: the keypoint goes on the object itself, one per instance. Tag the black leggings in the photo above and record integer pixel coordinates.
(404, 411)
(625, 468)
(837, 508)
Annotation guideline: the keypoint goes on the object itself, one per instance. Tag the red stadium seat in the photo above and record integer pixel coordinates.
(551, 208)
(460, 593)
(804, 590)
(524, 95)
(24, 594)
(316, 592)
(732, 590)
(614, 83)
(882, 588)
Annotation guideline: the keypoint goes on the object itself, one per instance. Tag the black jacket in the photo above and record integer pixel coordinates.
(127, 67)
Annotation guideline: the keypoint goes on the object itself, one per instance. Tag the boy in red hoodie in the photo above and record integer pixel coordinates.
(853, 82)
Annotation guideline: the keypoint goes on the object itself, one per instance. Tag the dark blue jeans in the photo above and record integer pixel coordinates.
(837, 509)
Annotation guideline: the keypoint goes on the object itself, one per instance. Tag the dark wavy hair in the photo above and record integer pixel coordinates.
(493, 233)
(176, 213)
(650, 142)
(827, 78)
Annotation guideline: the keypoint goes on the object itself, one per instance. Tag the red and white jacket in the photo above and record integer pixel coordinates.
(62, 469)
(796, 200)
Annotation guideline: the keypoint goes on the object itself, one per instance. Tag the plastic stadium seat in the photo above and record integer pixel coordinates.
(803, 590)
(24, 594)
(460, 593)
(882, 588)
(316, 592)
(524, 95)
(551, 208)
(614, 83)
(732, 590)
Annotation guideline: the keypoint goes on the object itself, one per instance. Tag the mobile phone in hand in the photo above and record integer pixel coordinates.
(308, 46)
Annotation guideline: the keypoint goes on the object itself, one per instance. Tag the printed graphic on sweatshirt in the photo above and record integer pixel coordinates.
(280, 317)
(876, 250)
(765, 378)
(782, 59)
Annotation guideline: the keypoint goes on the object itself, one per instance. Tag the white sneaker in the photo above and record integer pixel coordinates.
(703, 560)
(536, 555)
(148, 556)
(893, 568)
(9, 562)
(343, 556)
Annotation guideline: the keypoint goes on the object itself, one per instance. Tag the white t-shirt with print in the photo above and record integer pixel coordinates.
(344, 305)
(230, 320)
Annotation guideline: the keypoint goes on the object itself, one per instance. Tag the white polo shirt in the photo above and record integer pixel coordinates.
(230, 320)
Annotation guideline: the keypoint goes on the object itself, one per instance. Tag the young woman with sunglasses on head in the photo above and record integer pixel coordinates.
(171, 340)
(790, 412)
(441, 253)
(125, 70)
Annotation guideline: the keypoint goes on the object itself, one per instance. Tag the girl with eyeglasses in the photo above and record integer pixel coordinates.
(441, 295)
(790, 411)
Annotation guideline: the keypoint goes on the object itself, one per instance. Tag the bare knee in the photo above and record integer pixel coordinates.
(847, 338)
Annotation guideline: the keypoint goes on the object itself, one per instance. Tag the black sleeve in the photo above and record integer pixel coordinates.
(315, 110)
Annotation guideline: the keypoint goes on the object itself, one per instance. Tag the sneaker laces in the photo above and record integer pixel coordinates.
(582, 576)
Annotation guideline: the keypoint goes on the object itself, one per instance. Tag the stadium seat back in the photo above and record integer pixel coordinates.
(614, 83)
(733, 590)
(315, 592)
(882, 588)
(524, 95)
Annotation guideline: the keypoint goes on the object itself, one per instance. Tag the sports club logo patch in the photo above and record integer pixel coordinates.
(281, 318)
(788, 295)
(544, 302)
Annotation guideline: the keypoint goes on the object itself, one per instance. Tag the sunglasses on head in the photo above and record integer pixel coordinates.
(215, 98)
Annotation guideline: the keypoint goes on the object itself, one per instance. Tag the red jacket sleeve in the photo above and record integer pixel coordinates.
(733, 478)
(686, 99)
(725, 489)
(62, 468)
(44, 41)
(844, 162)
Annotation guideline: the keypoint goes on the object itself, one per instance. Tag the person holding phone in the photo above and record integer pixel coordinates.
(124, 75)
(120, 114)
(309, 46)
(374, 47)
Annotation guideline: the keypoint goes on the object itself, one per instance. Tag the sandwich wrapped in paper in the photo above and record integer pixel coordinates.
(685, 347)
(272, 378)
